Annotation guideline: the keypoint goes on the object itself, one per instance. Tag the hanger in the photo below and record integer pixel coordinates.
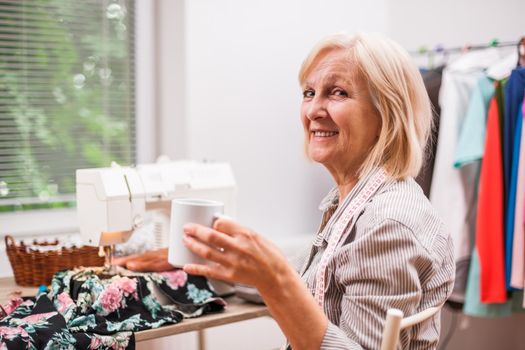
(422, 51)
(494, 42)
(440, 49)
(431, 54)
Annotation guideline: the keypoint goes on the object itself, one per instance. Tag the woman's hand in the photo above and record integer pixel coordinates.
(155, 260)
(239, 254)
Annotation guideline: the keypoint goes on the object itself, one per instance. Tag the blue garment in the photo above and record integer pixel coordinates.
(509, 224)
(514, 89)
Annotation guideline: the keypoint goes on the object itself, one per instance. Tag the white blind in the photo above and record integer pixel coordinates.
(66, 96)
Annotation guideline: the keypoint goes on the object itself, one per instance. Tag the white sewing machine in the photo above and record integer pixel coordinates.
(111, 202)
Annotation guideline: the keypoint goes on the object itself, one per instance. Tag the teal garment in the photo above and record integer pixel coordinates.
(473, 305)
(471, 142)
(468, 153)
(470, 149)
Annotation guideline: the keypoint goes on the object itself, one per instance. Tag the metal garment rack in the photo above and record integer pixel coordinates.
(439, 49)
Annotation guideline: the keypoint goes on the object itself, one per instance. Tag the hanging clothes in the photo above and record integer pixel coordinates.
(517, 276)
(454, 190)
(514, 90)
(478, 182)
(471, 141)
(473, 305)
(432, 80)
(489, 286)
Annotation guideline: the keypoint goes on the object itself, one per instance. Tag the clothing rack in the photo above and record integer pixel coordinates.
(439, 49)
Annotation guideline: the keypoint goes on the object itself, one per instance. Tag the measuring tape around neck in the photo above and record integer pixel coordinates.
(355, 205)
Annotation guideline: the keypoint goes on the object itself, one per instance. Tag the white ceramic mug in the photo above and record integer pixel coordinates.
(184, 210)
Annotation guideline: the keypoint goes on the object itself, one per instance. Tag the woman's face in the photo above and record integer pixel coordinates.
(340, 122)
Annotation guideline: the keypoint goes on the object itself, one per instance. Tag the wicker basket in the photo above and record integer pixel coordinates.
(33, 268)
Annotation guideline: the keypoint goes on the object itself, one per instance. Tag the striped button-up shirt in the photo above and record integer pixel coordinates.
(397, 254)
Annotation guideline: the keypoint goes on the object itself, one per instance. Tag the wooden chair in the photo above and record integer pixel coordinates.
(395, 323)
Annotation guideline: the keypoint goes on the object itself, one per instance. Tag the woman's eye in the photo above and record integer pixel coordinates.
(339, 92)
(308, 93)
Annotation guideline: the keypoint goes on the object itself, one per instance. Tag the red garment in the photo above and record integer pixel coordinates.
(489, 222)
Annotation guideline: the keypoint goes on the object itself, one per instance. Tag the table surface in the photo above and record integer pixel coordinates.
(236, 310)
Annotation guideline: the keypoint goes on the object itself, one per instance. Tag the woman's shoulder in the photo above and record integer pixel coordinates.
(404, 202)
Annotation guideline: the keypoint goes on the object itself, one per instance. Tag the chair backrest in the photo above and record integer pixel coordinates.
(395, 323)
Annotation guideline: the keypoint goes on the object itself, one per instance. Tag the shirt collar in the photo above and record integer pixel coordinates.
(332, 199)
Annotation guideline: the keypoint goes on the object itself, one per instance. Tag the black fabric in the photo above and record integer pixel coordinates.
(87, 310)
(432, 80)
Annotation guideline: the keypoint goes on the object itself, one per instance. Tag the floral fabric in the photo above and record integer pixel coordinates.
(87, 310)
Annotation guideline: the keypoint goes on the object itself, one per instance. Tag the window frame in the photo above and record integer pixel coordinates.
(49, 222)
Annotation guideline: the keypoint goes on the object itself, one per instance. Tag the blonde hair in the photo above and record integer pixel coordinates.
(398, 94)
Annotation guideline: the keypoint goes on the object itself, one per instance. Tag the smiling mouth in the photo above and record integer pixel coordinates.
(324, 133)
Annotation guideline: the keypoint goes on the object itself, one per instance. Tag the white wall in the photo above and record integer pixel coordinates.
(240, 99)
(237, 97)
(242, 106)
(414, 23)
(170, 74)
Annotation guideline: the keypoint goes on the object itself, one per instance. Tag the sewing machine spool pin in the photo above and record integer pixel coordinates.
(109, 252)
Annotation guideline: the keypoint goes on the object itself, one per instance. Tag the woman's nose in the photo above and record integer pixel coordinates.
(316, 109)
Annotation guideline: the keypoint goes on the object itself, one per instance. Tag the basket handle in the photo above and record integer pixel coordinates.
(9, 241)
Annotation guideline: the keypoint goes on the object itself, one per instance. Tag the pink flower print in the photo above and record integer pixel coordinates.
(9, 333)
(95, 342)
(64, 302)
(110, 298)
(117, 346)
(12, 305)
(32, 319)
(127, 285)
(175, 279)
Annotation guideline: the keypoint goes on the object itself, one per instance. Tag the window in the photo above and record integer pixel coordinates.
(67, 96)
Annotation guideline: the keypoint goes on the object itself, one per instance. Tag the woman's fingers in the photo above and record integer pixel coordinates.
(247, 257)
(163, 252)
(151, 265)
(155, 260)
(216, 272)
(235, 230)
(211, 237)
(205, 251)
(227, 225)
(123, 260)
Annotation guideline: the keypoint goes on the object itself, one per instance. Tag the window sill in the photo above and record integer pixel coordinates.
(39, 222)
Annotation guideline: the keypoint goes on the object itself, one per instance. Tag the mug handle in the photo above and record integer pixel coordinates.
(220, 216)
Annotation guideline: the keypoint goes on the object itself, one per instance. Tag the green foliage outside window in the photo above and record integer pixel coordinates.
(66, 96)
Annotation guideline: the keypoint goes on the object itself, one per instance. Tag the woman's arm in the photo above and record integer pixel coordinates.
(241, 255)
(155, 261)
(384, 267)
(388, 265)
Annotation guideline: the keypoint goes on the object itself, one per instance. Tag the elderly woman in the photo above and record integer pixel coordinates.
(366, 118)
